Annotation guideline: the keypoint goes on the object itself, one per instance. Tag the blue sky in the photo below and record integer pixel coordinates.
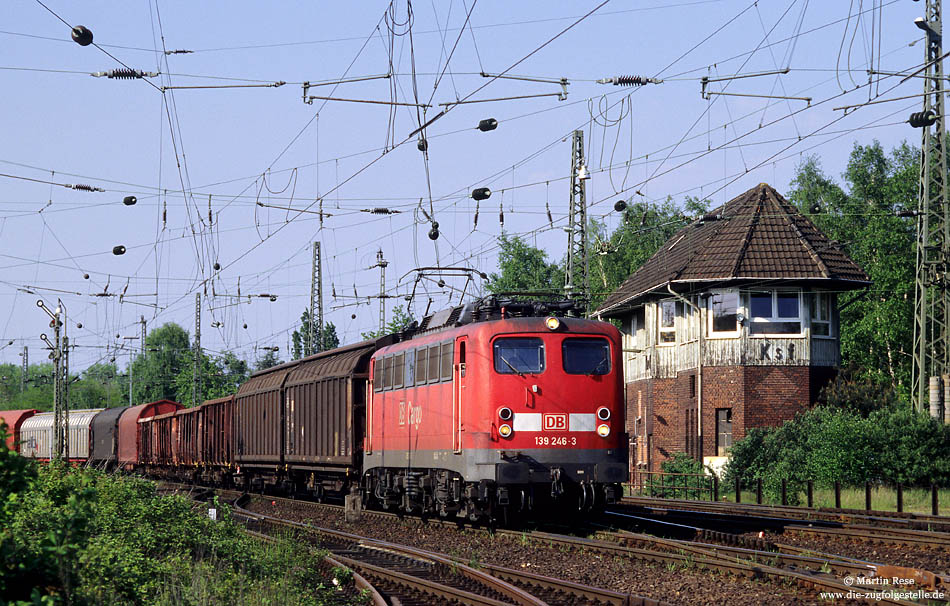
(248, 149)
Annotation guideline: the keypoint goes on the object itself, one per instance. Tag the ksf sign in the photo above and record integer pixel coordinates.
(554, 422)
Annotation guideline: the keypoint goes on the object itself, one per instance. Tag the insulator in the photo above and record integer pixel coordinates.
(216, 266)
(547, 207)
(815, 208)
(81, 35)
(85, 276)
(379, 210)
(628, 80)
(423, 144)
(129, 200)
(922, 119)
(487, 124)
(481, 193)
(84, 187)
(620, 206)
(118, 250)
(125, 74)
(907, 213)
(501, 214)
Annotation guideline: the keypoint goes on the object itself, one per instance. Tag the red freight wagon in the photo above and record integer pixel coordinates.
(216, 427)
(13, 419)
(158, 444)
(188, 436)
(130, 438)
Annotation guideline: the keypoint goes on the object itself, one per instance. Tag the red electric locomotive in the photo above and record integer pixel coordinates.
(486, 416)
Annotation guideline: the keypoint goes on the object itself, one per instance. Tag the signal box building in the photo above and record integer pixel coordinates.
(732, 324)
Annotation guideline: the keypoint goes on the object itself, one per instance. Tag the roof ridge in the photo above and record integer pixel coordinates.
(805, 242)
(753, 223)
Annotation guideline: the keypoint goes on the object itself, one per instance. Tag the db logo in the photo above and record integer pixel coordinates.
(555, 422)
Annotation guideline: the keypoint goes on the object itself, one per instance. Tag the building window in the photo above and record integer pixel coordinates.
(775, 312)
(723, 312)
(723, 431)
(638, 327)
(668, 309)
(820, 314)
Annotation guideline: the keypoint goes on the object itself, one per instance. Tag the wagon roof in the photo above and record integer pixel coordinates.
(756, 235)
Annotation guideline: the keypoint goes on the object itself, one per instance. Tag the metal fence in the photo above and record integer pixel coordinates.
(702, 487)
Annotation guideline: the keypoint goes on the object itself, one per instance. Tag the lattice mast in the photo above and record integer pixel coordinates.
(314, 343)
(932, 304)
(576, 280)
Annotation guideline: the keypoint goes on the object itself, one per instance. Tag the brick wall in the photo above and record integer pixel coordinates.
(759, 396)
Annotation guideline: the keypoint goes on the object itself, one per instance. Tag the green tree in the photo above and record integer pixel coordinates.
(645, 227)
(301, 338)
(524, 268)
(268, 360)
(219, 376)
(155, 373)
(877, 324)
(399, 322)
(98, 386)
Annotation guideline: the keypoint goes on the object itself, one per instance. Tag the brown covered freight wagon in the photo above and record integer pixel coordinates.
(301, 424)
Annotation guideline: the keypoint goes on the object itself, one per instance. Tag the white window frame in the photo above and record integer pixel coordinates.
(813, 299)
(723, 334)
(774, 318)
(660, 329)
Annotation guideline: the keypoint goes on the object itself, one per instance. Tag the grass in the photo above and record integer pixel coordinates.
(883, 498)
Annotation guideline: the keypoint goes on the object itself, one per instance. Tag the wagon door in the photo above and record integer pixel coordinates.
(459, 381)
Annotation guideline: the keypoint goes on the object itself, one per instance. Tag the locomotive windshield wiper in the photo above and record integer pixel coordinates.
(596, 369)
(507, 363)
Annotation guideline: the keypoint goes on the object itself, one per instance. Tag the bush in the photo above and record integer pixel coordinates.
(825, 444)
(79, 536)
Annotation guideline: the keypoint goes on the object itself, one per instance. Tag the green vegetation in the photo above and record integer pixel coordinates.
(165, 370)
(399, 322)
(74, 536)
(829, 443)
(323, 342)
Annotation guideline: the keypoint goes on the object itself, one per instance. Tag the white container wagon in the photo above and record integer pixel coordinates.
(36, 434)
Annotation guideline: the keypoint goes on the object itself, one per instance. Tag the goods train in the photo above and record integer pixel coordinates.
(481, 411)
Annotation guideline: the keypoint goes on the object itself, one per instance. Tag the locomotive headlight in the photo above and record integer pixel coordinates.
(504, 413)
(603, 430)
(505, 431)
(552, 323)
(603, 413)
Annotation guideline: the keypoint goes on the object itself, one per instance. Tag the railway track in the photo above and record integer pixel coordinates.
(680, 522)
(763, 560)
(890, 519)
(415, 576)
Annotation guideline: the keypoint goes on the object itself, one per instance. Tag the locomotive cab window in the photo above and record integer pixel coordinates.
(519, 355)
(586, 356)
